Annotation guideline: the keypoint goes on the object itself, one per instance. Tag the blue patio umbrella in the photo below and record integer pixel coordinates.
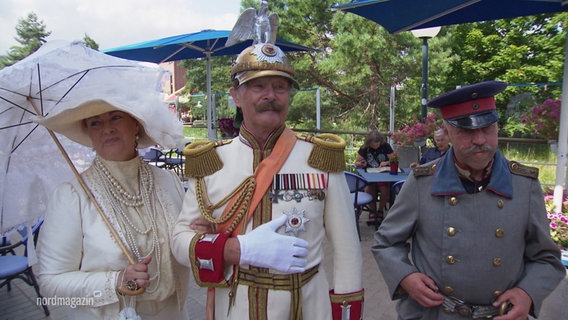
(403, 15)
(203, 44)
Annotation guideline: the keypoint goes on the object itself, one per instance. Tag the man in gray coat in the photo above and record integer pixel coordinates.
(480, 241)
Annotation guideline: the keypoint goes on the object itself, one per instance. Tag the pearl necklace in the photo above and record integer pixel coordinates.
(118, 192)
(144, 201)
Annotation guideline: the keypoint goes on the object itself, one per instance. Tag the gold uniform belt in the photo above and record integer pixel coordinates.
(271, 281)
(263, 281)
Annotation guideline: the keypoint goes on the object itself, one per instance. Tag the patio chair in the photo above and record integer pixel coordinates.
(395, 189)
(154, 157)
(14, 266)
(174, 160)
(360, 198)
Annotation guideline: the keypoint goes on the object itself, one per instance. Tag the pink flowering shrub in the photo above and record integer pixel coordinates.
(557, 218)
(227, 128)
(410, 133)
(543, 119)
(401, 137)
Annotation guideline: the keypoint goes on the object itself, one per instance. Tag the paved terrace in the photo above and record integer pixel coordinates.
(20, 303)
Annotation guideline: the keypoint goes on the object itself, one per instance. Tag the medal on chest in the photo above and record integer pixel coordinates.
(296, 221)
(298, 187)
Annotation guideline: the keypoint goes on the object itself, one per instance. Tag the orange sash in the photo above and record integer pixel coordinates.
(263, 176)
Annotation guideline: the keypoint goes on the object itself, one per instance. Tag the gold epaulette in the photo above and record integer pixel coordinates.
(522, 170)
(201, 159)
(424, 170)
(328, 153)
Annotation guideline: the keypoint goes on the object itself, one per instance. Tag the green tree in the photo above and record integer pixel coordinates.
(355, 65)
(519, 51)
(196, 76)
(526, 52)
(356, 62)
(31, 34)
(90, 42)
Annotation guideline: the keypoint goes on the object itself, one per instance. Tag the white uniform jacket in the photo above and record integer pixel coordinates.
(331, 222)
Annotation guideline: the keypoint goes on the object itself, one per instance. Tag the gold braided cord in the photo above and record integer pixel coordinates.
(240, 207)
(198, 147)
(327, 153)
(328, 141)
(201, 159)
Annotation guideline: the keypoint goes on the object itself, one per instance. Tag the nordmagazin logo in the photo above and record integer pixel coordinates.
(71, 302)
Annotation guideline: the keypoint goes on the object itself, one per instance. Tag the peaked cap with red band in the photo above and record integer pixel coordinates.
(470, 107)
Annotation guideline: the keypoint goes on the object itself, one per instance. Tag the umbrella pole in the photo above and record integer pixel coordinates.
(126, 252)
(211, 125)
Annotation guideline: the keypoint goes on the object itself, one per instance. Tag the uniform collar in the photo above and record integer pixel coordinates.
(447, 181)
(248, 138)
(466, 174)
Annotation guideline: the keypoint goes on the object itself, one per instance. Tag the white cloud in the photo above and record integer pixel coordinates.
(113, 23)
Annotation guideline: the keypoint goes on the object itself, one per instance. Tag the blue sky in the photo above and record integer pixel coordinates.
(113, 23)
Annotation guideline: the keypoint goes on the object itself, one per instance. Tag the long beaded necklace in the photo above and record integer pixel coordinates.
(120, 200)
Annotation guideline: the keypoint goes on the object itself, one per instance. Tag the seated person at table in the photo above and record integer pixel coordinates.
(442, 144)
(375, 153)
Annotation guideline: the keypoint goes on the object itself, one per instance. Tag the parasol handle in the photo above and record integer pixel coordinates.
(127, 253)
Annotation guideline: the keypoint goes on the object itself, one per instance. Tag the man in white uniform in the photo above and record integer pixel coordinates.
(272, 198)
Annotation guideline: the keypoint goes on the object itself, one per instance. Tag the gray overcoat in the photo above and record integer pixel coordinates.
(473, 245)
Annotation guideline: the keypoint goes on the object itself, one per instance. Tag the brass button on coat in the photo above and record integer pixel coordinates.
(448, 289)
(451, 231)
(500, 203)
(497, 262)
(497, 293)
(453, 201)
(450, 260)
(499, 233)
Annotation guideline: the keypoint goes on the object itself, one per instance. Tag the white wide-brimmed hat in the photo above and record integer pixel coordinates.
(158, 125)
(108, 83)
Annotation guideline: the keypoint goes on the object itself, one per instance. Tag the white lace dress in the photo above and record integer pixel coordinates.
(79, 257)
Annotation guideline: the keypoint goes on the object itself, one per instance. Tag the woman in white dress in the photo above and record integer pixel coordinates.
(79, 257)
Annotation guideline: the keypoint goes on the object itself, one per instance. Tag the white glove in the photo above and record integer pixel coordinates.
(264, 247)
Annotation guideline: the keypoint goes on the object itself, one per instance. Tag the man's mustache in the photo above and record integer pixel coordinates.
(268, 106)
(474, 149)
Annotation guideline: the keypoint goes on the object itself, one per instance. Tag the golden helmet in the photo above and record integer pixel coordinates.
(262, 60)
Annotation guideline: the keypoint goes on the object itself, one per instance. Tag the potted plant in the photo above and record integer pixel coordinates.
(418, 134)
(400, 138)
(415, 133)
(393, 163)
(543, 120)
